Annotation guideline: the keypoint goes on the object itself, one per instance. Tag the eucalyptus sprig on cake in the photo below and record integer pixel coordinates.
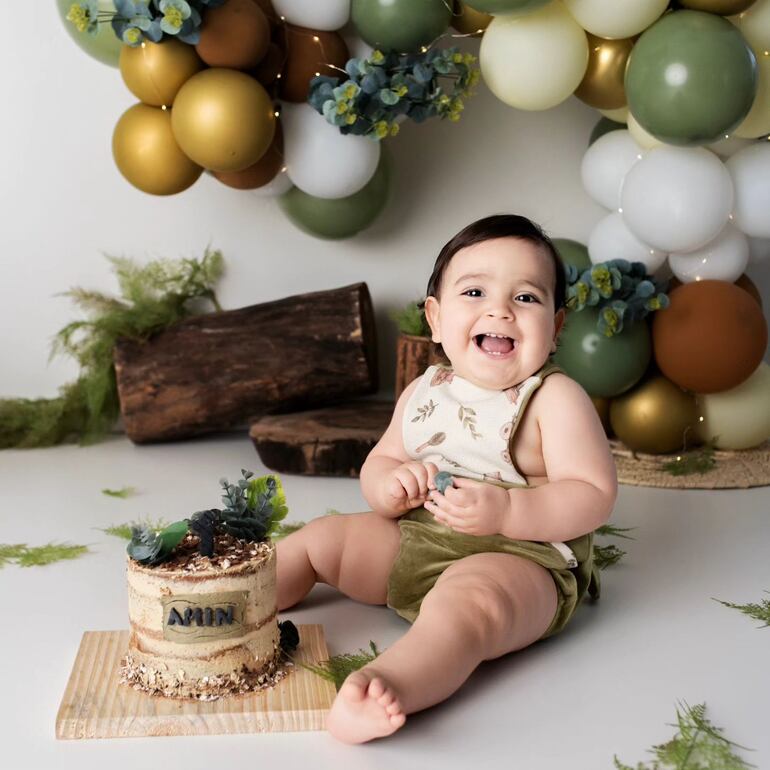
(622, 291)
(386, 86)
(411, 320)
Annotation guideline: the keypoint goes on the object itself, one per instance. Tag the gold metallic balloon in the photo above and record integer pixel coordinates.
(602, 406)
(656, 416)
(721, 7)
(469, 21)
(602, 86)
(223, 119)
(154, 72)
(147, 154)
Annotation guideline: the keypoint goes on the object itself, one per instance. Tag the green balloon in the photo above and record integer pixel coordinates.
(572, 253)
(604, 126)
(604, 366)
(506, 6)
(104, 46)
(691, 78)
(400, 25)
(336, 218)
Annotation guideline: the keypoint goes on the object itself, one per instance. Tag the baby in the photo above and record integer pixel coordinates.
(502, 557)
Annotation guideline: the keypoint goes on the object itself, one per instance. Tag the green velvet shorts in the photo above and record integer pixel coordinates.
(428, 547)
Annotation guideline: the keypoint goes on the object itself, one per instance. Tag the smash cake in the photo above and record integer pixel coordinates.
(202, 599)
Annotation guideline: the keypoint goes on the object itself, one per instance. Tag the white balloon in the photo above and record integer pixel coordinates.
(604, 165)
(611, 239)
(759, 249)
(723, 259)
(278, 185)
(677, 198)
(616, 18)
(316, 14)
(750, 171)
(322, 161)
(728, 146)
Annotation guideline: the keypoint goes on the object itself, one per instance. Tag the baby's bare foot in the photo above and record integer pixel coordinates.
(366, 707)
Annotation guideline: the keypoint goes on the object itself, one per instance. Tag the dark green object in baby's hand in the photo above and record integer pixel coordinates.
(442, 480)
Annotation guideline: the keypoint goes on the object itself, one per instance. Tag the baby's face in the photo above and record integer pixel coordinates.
(498, 287)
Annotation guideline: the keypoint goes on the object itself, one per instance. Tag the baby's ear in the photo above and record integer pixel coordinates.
(432, 314)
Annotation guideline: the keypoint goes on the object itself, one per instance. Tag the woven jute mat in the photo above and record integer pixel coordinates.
(732, 469)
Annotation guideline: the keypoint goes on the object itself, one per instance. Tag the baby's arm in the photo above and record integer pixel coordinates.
(582, 483)
(393, 483)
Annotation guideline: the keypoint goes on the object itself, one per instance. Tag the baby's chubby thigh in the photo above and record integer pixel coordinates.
(354, 552)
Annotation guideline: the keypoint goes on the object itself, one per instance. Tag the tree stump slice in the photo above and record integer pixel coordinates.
(321, 442)
(413, 356)
(211, 372)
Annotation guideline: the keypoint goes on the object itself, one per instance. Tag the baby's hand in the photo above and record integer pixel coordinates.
(407, 486)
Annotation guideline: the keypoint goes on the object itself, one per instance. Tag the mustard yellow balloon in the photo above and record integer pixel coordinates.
(534, 61)
(147, 154)
(656, 417)
(223, 119)
(757, 122)
(738, 418)
(602, 85)
(154, 72)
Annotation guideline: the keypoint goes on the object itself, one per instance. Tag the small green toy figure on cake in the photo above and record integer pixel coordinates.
(202, 599)
(485, 489)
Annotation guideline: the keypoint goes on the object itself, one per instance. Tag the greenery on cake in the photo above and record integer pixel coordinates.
(759, 611)
(254, 507)
(152, 297)
(698, 745)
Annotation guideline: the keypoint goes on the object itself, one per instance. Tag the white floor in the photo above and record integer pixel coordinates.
(607, 686)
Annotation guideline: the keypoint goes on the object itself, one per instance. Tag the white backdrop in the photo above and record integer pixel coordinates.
(63, 203)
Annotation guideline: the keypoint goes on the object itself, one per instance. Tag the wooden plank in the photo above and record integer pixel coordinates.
(96, 705)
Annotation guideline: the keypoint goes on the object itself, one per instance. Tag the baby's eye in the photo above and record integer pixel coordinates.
(467, 292)
(530, 297)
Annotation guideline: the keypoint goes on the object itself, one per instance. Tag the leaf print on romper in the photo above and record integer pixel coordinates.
(423, 412)
(467, 417)
(442, 375)
(505, 433)
(513, 393)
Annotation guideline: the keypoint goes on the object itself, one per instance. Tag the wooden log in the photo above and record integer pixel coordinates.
(211, 372)
(322, 442)
(413, 356)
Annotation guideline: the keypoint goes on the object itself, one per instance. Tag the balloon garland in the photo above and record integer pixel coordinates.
(266, 97)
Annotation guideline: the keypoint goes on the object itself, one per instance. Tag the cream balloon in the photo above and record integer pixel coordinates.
(605, 164)
(738, 418)
(619, 115)
(723, 259)
(327, 15)
(759, 249)
(754, 23)
(757, 122)
(677, 198)
(728, 146)
(616, 18)
(643, 138)
(534, 61)
(750, 172)
(320, 160)
(611, 239)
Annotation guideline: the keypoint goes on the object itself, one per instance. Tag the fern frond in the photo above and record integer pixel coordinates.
(339, 667)
(759, 611)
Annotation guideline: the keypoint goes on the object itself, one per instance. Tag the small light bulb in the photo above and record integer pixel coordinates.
(700, 419)
(317, 74)
(678, 459)
(163, 107)
(316, 38)
(144, 45)
(277, 114)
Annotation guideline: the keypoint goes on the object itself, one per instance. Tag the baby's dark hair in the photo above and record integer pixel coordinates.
(500, 226)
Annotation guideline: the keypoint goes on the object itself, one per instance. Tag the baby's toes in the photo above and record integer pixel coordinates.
(386, 698)
(355, 686)
(393, 708)
(377, 688)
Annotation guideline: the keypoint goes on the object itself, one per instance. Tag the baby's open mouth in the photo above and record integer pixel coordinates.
(498, 345)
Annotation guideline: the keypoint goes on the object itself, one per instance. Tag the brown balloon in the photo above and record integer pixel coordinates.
(469, 21)
(721, 7)
(656, 416)
(743, 281)
(268, 10)
(271, 66)
(602, 85)
(711, 337)
(223, 119)
(147, 154)
(262, 172)
(309, 53)
(154, 72)
(234, 35)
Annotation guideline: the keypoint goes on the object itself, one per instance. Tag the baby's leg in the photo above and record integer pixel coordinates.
(352, 552)
(480, 608)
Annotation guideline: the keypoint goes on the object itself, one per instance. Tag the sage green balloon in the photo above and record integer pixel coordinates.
(400, 25)
(604, 366)
(691, 78)
(572, 252)
(104, 46)
(506, 6)
(336, 218)
(604, 126)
